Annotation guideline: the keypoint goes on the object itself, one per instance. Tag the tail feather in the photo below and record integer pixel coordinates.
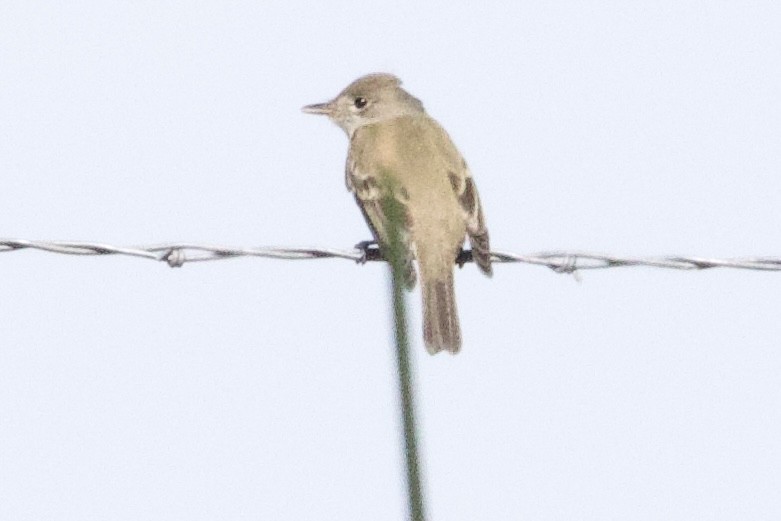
(440, 316)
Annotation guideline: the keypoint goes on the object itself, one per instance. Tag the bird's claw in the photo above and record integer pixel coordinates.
(364, 246)
(463, 257)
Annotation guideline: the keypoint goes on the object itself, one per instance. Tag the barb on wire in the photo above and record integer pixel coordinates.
(177, 254)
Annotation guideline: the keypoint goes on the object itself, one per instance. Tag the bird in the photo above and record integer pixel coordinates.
(397, 150)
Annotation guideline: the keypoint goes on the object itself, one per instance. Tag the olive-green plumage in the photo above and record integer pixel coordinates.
(395, 146)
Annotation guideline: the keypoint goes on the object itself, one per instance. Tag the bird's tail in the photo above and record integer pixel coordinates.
(440, 317)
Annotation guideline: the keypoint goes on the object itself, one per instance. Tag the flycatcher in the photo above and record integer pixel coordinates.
(396, 147)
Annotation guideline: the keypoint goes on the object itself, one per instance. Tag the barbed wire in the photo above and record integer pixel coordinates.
(176, 254)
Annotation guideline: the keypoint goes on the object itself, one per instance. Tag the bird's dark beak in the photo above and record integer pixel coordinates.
(319, 108)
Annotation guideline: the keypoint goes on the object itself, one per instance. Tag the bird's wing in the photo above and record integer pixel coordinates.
(370, 194)
(466, 192)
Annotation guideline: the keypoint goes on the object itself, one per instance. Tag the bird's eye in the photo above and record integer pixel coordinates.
(360, 102)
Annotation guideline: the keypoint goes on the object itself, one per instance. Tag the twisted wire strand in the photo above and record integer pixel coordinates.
(176, 254)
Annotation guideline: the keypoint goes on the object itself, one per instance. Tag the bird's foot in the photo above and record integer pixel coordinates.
(366, 247)
(463, 257)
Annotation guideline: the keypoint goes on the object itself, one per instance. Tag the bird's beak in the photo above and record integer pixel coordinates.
(319, 108)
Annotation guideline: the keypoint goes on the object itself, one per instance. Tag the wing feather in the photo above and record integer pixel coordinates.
(476, 229)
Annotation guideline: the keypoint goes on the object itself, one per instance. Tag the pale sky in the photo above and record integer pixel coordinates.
(265, 389)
